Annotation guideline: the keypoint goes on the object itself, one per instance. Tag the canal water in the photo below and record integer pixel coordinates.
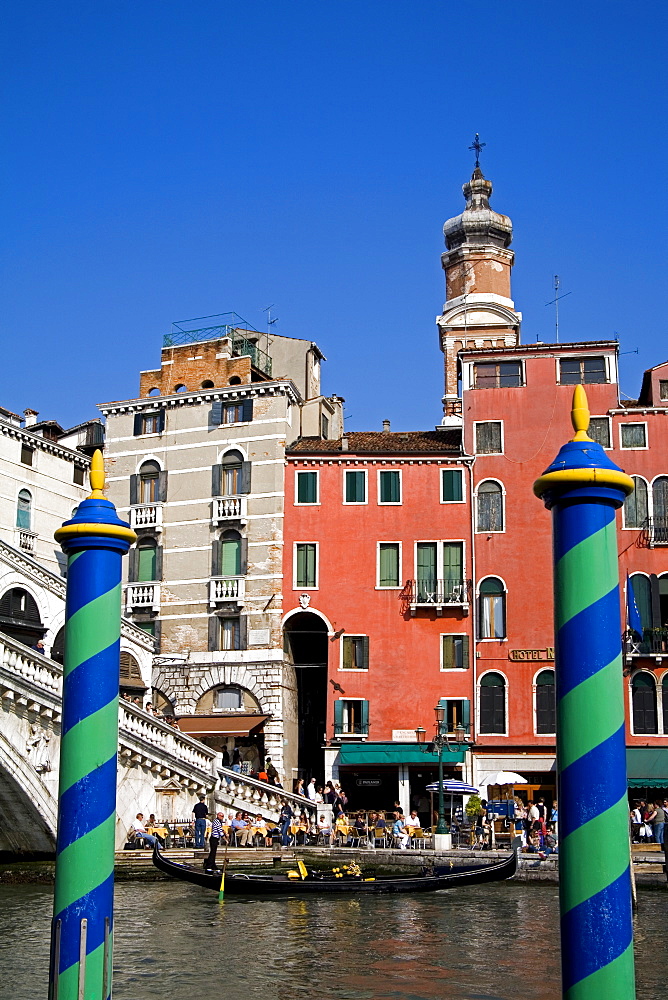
(496, 942)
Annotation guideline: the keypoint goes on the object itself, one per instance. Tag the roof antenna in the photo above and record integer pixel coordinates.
(555, 302)
(270, 322)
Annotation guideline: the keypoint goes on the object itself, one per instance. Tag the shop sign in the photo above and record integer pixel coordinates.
(368, 782)
(403, 736)
(532, 654)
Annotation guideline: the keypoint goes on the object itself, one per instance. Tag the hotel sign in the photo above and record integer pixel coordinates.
(532, 654)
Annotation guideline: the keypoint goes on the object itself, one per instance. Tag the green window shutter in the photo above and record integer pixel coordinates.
(230, 552)
(364, 718)
(307, 487)
(452, 562)
(466, 713)
(301, 566)
(452, 485)
(216, 480)
(306, 565)
(147, 563)
(448, 652)
(338, 718)
(389, 566)
(134, 489)
(365, 654)
(347, 653)
(389, 487)
(355, 492)
(214, 632)
(426, 561)
(465, 652)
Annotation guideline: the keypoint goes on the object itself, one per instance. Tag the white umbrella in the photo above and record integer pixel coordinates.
(503, 778)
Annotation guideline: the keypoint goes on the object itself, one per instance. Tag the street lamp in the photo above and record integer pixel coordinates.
(420, 734)
(441, 740)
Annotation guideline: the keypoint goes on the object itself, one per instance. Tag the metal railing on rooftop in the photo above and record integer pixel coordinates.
(229, 325)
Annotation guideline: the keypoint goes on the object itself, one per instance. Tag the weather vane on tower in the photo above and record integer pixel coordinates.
(477, 146)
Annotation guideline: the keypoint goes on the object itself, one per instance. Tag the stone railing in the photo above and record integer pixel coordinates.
(248, 793)
(27, 540)
(226, 589)
(137, 723)
(229, 509)
(147, 515)
(143, 595)
(30, 666)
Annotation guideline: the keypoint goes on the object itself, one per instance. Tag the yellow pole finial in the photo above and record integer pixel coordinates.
(97, 476)
(580, 414)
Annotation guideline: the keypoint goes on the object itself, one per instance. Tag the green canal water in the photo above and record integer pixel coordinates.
(175, 941)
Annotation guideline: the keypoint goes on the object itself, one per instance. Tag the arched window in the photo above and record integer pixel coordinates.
(660, 501)
(232, 464)
(546, 703)
(489, 507)
(207, 384)
(492, 609)
(635, 505)
(130, 673)
(149, 482)
(20, 617)
(664, 692)
(492, 704)
(643, 695)
(147, 554)
(228, 697)
(642, 591)
(24, 510)
(230, 553)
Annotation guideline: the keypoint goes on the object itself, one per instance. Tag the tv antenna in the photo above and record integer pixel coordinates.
(270, 321)
(555, 302)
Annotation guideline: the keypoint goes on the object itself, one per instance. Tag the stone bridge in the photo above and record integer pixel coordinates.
(160, 771)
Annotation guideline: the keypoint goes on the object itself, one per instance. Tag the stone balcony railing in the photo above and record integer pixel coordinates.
(30, 666)
(142, 595)
(247, 793)
(147, 515)
(229, 588)
(137, 729)
(230, 509)
(27, 540)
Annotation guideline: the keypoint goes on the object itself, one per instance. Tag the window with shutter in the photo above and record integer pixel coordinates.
(307, 487)
(388, 564)
(633, 435)
(582, 371)
(635, 505)
(426, 570)
(24, 510)
(147, 551)
(488, 438)
(492, 704)
(451, 486)
(599, 430)
(546, 703)
(492, 609)
(455, 652)
(306, 564)
(356, 652)
(389, 487)
(643, 694)
(355, 483)
(489, 507)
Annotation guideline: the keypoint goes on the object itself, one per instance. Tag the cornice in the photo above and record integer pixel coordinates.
(252, 390)
(43, 444)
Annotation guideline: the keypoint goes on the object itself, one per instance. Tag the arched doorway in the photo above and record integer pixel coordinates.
(131, 681)
(306, 647)
(20, 617)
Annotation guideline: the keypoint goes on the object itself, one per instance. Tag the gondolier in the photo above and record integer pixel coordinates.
(217, 834)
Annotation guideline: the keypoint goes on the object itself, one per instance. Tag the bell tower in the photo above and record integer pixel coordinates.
(478, 311)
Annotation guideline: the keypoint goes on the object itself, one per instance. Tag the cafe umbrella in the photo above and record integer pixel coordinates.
(453, 787)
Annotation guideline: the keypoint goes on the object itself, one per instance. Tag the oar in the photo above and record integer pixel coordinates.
(221, 892)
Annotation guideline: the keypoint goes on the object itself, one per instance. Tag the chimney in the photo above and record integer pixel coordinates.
(386, 426)
(344, 443)
(30, 417)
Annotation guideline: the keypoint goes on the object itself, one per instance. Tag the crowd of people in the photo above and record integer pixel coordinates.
(148, 707)
(648, 821)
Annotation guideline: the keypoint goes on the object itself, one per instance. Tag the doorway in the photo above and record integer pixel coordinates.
(305, 645)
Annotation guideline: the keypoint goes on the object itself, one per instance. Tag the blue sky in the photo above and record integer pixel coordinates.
(166, 160)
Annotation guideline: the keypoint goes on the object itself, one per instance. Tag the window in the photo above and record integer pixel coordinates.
(660, 501)
(230, 638)
(663, 389)
(230, 553)
(497, 375)
(306, 564)
(664, 692)
(642, 592)
(599, 431)
(232, 413)
(324, 426)
(389, 487)
(24, 510)
(633, 435)
(228, 698)
(457, 713)
(389, 554)
(455, 652)
(434, 587)
(149, 423)
(635, 505)
(351, 718)
(78, 475)
(307, 487)
(451, 486)
(582, 371)
(489, 507)
(492, 609)
(546, 703)
(492, 704)
(643, 697)
(149, 482)
(147, 555)
(232, 477)
(355, 652)
(488, 438)
(145, 625)
(355, 486)
(27, 454)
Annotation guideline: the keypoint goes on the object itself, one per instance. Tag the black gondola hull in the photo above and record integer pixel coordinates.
(321, 883)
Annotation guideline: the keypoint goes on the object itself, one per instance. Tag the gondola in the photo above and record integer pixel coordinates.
(346, 879)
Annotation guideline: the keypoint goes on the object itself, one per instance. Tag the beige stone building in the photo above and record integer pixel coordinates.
(196, 464)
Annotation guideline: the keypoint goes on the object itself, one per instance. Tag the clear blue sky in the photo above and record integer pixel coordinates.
(166, 160)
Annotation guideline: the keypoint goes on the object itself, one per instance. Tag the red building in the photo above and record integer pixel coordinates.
(418, 566)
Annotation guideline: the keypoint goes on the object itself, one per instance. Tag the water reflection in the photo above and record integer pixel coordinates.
(487, 943)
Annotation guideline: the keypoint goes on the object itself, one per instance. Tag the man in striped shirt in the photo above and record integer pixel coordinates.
(217, 834)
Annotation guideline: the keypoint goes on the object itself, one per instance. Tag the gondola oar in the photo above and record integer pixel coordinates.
(221, 892)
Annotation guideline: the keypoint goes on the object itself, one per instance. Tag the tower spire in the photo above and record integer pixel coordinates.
(478, 147)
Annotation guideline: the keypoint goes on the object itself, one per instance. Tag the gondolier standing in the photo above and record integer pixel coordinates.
(217, 835)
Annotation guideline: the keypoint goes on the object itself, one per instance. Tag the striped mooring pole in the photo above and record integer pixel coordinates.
(583, 488)
(94, 541)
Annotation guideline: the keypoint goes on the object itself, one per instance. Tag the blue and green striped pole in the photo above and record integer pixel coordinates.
(81, 936)
(583, 488)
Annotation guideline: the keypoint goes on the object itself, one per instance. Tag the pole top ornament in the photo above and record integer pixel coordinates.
(96, 475)
(95, 523)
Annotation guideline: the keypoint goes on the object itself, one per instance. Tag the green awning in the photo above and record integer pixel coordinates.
(647, 767)
(361, 754)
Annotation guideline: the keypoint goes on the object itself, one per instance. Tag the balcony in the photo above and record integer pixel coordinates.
(27, 540)
(142, 596)
(437, 594)
(227, 509)
(654, 642)
(148, 515)
(226, 588)
(657, 531)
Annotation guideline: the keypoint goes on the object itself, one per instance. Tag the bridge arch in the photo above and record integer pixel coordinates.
(28, 810)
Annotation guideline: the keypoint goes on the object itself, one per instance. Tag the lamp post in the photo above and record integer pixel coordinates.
(441, 740)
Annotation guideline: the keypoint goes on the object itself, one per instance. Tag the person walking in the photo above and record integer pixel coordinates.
(311, 790)
(217, 835)
(284, 823)
(657, 818)
(201, 812)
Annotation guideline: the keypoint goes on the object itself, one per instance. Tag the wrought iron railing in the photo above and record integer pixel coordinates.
(230, 325)
(259, 359)
(437, 592)
(654, 642)
(657, 530)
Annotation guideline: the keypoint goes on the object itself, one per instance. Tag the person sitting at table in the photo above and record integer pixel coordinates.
(324, 828)
(399, 831)
(241, 830)
(341, 826)
(260, 829)
(413, 822)
(141, 833)
(302, 829)
(359, 827)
